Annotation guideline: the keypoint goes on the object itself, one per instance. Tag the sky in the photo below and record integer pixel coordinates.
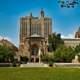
(64, 20)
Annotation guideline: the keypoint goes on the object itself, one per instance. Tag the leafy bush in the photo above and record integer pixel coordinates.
(64, 54)
(24, 59)
(47, 58)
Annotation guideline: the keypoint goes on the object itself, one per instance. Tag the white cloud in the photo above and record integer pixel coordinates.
(7, 38)
(1, 37)
(69, 36)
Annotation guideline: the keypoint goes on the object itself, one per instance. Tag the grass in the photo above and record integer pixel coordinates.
(39, 74)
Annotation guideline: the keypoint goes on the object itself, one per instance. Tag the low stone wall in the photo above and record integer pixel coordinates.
(74, 65)
(6, 65)
(34, 65)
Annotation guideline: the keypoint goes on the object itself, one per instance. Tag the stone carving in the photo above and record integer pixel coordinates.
(76, 59)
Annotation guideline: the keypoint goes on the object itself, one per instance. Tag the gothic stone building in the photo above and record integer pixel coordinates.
(73, 42)
(8, 44)
(77, 35)
(34, 33)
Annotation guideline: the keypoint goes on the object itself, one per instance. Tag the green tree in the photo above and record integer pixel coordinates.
(63, 54)
(77, 51)
(47, 58)
(6, 54)
(54, 41)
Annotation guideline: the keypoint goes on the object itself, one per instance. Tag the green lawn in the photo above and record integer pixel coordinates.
(39, 74)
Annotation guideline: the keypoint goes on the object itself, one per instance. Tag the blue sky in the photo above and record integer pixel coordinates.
(65, 21)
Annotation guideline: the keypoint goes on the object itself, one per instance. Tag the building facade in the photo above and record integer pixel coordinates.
(8, 44)
(77, 34)
(34, 33)
(73, 42)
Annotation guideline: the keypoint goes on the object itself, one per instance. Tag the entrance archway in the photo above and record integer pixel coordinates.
(34, 53)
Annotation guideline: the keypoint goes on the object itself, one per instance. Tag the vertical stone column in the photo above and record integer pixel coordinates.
(20, 37)
(42, 27)
(34, 59)
(39, 54)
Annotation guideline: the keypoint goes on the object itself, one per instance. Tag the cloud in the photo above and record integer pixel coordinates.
(69, 36)
(1, 37)
(7, 38)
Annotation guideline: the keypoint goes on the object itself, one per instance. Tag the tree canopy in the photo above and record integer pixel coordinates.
(6, 54)
(54, 41)
(63, 54)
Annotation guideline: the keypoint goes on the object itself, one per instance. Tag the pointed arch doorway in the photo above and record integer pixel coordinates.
(34, 53)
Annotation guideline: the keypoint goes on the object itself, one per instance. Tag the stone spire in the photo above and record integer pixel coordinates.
(77, 34)
(79, 29)
(42, 13)
(31, 14)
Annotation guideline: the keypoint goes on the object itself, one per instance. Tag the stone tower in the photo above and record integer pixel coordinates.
(34, 33)
(77, 35)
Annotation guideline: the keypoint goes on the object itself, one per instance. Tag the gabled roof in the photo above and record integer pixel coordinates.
(8, 44)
